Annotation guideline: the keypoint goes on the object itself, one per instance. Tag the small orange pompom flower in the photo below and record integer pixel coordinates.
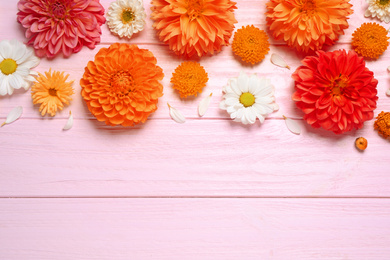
(189, 78)
(308, 24)
(382, 124)
(192, 27)
(52, 92)
(370, 40)
(251, 44)
(121, 86)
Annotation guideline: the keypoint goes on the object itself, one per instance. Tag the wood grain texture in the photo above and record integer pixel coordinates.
(198, 158)
(86, 229)
(240, 192)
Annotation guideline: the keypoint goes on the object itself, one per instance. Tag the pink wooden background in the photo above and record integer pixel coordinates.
(206, 189)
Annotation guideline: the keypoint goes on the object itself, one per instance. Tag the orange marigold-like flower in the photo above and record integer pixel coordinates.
(335, 90)
(52, 91)
(382, 124)
(370, 40)
(189, 78)
(251, 44)
(121, 86)
(308, 24)
(194, 26)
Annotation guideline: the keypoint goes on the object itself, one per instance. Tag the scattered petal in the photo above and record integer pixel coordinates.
(277, 60)
(292, 125)
(176, 115)
(388, 92)
(204, 105)
(388, 68)
(69, 124)
(13, 115)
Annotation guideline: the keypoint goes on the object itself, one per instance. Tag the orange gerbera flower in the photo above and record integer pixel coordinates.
(251, 44)
(382, 124)
(52, 91)
(370, 40)
(121, 86)
(194, 26)
(308, 24)
(189, 78)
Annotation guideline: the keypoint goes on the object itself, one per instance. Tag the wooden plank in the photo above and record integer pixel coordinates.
(306, 229)
(198, 158)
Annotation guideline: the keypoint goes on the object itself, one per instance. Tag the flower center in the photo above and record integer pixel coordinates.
(122, 83)
(338, 85)
(247, 99)
(383, 2)
(127, 15)
(52, 92)
(58, 9)
(308, 6)
(194, 8)
(8, 66)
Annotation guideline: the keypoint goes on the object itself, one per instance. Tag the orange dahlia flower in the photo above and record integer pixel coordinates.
(370, 40)
(194, 26)
(121, 86)
(335, 90)
(382, 124)
(308, 24)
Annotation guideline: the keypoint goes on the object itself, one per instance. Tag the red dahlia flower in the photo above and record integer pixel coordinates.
(335, 90)
(65, 26)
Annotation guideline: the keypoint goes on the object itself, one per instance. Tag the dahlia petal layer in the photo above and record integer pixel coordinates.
(308, 24)
(194, 27)
(61, 26)
(122, 85)
(335, 91)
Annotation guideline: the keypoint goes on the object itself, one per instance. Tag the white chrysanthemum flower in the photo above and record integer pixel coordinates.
(380, 9)
(248, 97)
(16, 62)
(125, 17)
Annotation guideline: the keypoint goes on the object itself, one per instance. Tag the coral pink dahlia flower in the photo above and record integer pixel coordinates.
(55, 26)
(335, 90)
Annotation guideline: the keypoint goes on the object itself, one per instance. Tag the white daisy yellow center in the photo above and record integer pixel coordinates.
(383, 2)
(247, 99)
(8, 66)
(127, 15)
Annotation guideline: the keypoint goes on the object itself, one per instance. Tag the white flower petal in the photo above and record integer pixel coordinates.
(388, 92)
(277, 60)
(176, 115)
(25, 60)
(204, 105)
(13, 115)
(69, 123)
(4, 86)
(292, 125)
(243, 82)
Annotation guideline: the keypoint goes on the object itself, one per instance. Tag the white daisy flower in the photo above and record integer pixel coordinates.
(125, 17)
(380, 9)
(16, 62)
(248, 97)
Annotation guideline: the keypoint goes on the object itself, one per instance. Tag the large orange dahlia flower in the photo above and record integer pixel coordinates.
(308, 24)
(194, 26)
(55, 26)
(121, 86)
(335, 90)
